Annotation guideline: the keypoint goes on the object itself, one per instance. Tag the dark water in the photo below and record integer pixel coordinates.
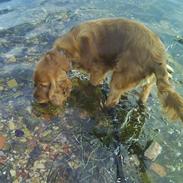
(82, 142)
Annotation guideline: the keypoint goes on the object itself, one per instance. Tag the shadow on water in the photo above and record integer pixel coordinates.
(82, 142)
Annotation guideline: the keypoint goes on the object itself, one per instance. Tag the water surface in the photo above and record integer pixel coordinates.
(82, 142)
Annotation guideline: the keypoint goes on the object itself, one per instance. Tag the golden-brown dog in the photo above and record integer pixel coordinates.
(127, 48)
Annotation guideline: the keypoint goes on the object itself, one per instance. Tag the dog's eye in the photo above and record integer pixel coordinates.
(64, 93)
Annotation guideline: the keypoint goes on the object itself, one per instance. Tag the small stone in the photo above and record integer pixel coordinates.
(35, 180)
(39, 165)
(16, 181)
(11, 59)
(158, 169)
(153, 151)
(11, 125)
(74, 164)
(29, 109)
(1, 88)
(2, 154)
(46, 133)
(27, 133)
(19, 133)
(12, 83)
(2, 141)
(134, 160)
(3, 158)
(13, 173)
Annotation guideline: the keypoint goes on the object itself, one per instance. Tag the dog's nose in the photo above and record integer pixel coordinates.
(40, 99)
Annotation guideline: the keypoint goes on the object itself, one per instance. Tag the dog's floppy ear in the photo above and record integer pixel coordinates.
(52, 89)
(68, 88)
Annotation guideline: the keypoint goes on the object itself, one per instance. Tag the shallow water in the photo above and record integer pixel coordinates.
(82, 142)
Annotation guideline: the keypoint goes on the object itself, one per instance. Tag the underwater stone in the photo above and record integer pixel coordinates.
(11, 125)
(153, 151)
(159, 169)
(12, 59)
(19, 133)
(2, 141)
(13, 173)
(12, 83)
(134, 160)
(1, 88)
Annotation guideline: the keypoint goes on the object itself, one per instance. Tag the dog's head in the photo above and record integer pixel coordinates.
(50, 78)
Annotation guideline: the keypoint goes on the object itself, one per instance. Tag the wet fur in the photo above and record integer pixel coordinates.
(127, 48)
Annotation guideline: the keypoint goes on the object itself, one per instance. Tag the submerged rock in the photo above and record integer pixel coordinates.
(12, 83)
(158, 169)
(179, 39)
(153, 151)
(19, 133)
(2, 141)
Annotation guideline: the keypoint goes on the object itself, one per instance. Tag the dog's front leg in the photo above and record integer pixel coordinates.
(97, 77)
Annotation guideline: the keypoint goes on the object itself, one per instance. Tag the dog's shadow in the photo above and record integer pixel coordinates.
(127, 118)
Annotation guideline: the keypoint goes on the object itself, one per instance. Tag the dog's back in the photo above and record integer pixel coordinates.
(108, 39)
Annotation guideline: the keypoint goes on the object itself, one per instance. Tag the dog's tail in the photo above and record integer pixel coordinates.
(172, 102)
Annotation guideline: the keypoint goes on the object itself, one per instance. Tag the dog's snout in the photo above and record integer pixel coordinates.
(39, 98)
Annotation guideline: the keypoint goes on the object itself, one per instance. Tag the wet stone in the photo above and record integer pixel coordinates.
(179, 39)
(13, 173)
(12, 83)
(11, 125)
(19, 133)
(158, 169)
(11, 59)
(133, 159)
(1, 88)
(153, 151)
(2, 141)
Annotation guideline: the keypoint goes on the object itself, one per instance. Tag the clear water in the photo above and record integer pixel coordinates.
(79, 143)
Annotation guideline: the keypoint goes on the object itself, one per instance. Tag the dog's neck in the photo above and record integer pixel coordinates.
(73, 61)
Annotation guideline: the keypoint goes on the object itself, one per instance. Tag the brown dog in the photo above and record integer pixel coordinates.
(127, 48)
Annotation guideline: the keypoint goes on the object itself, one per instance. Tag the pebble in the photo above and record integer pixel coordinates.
(19, 133)
(153, 151)
(11, 125)
(11, 59)
(13, 173)
(134, 160)
(158, 169)
(12, 83)
(39, 165)
(74, 164)
(2, 154)
(2, 141)
(1, 88)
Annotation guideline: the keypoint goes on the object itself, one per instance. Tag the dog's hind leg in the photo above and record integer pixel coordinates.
(118, 86)
(146, 88)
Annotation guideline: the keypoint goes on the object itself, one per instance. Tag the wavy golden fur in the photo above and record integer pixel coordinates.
(127, 48)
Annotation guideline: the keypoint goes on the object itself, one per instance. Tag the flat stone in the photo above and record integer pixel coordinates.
(11, 125)
(39, 165)
(134, 160)
(158, 169)
(12, 83)
(13, 173)
(2, 141)
(12, 59)
(153, 151)
(1, 88)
